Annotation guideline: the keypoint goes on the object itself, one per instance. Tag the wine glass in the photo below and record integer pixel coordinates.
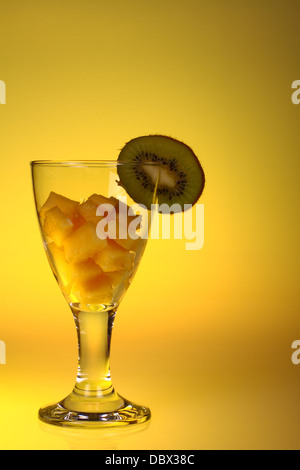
(94, 236)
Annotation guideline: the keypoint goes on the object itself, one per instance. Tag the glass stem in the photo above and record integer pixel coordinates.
(94, 330)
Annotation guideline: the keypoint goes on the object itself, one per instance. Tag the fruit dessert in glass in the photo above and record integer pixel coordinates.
(94, 241)
(91, 268)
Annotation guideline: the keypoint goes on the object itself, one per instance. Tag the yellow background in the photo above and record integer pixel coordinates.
(202, 337)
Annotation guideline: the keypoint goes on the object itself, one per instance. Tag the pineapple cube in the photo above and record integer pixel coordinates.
(57, 226)
(83, 244)
(120, 283)
(85, 270)
(88, 209)
(117, 230)
(119, 278)
(62, 269)
(117, 203)
(120, 206)
(66, 205)
(97, 199)
(114, 258)
(123, 238)
(78, 221)
(94, 291)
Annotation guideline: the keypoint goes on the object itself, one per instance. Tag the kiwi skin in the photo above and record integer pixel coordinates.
(176, 157)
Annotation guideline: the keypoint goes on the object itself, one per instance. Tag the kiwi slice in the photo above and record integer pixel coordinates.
(169, 162)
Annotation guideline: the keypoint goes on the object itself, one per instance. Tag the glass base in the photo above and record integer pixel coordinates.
(94, 413)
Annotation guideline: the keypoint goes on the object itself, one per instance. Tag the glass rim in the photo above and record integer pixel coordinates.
(88, 163)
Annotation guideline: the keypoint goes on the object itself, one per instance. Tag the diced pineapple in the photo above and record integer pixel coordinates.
(115, 202)
(63, 270)
(57, 226)
(119, 278)
(117, 230)
(66, 205)
(96, 291)
(120, 281)
(97, 199)
(83, 244)
(114, 258)
(78, 221)
(85, 270)
(123, 237)
(88, 209)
